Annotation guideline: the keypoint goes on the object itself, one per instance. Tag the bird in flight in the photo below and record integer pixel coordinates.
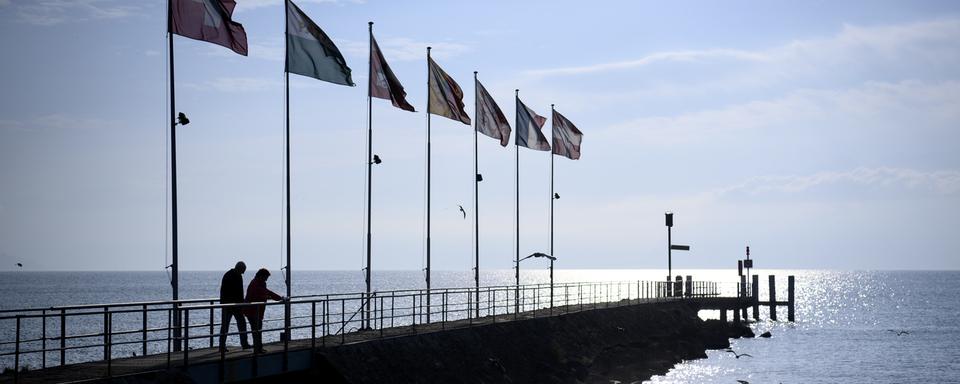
(737, 355)
(743, 382)
(899, 333)
(462, 211)
(20, 265)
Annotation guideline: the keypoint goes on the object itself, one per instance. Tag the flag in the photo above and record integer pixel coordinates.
(310, 52)
(208, 20)
(383, 83)
(490, 119)
(528, 129)
(566, 137)
(446, 97)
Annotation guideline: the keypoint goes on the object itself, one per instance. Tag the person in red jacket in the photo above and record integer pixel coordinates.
(257, 292)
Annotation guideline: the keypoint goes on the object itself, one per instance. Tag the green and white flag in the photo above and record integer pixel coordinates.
(310, 52)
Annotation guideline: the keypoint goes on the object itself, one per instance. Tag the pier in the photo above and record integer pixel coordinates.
(91, 343)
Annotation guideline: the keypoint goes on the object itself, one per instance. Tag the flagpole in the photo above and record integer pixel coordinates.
(516, 144)
(366, 313)
(286, 83)
(476, 198)
(428, 184)
(175, 265)
(552, 132)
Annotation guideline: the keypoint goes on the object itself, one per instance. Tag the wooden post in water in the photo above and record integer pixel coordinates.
(790, 298)
(755, 290)
(773, 297)
(743, 297)
(736, 315)
(723, 315)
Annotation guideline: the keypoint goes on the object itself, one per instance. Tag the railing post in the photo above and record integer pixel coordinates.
(755, 291)
(43, 340)
(313, 325)
(343, 321)
(186, 338)
(109, 347)
(790, 298)
(211, 325)
(63, 337)
(16, 354)
(773, 297)
(325, 330)
(689, 287)
(144, 331)
(494, 306)
(106, 334)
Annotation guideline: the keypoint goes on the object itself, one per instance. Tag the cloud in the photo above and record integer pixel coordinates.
(247, 5)
(54, 122)
(398, 49)
(237, 84)
(941, 182)
(878, 102)
(889, 42)
(52, 12)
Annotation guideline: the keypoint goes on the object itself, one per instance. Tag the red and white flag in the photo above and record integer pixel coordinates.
(566, 137)
(210, 21)
(490, 119)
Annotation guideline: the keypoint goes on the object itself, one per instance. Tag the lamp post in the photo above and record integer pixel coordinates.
(535, 254)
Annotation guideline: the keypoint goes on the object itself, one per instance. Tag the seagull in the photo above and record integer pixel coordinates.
(735, 354)
(20, 265)
(463, 212)
(743, 382)
(899, 333)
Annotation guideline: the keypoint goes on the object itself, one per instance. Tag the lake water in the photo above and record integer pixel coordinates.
(840, 336)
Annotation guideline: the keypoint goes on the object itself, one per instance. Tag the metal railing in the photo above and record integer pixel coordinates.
(55, 336)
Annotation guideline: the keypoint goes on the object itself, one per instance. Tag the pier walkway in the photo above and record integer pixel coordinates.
(89, 343)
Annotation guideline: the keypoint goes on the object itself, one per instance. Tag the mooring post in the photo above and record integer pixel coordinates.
(689, 287)
(723, 315)
(773, 297)
(743, 297)
(755, 290)
(790, 298)
(736, 316)
(678, 286)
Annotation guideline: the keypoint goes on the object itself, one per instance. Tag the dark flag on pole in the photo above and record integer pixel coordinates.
(310, 52)
(566, 137)
(208, 20)
(446, 97)
(529, 124)
(383, 83)
(490, 119)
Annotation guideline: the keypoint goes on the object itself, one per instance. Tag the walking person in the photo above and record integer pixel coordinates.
(231, 292)
(257, 292)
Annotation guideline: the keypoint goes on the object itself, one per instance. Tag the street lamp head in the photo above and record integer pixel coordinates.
(479, 177)
(556, 196)
(182, 119)
(669, 218)
(376, 159)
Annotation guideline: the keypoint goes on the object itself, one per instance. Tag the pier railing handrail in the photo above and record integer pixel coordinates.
(305, 315)
(217, 300)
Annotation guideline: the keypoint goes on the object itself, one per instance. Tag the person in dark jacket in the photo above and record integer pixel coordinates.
(231, 292)
(257, 292)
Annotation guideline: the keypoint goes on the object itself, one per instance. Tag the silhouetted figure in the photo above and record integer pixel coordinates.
(231, 292)
(257, 292)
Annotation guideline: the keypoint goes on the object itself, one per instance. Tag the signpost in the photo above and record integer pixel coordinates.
(671, 247)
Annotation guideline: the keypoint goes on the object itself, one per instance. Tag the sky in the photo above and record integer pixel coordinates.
(822, 134)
